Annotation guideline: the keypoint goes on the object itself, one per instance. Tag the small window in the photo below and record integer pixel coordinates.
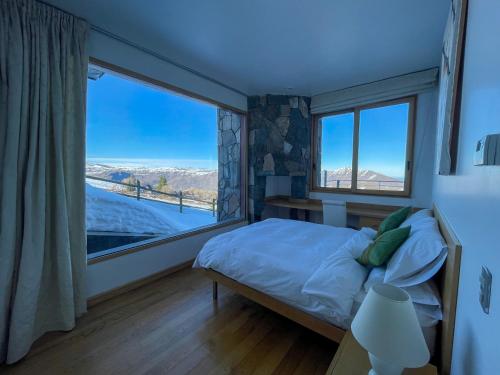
(365, 150)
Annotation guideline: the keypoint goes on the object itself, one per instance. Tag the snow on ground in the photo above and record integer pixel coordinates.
(111, 212)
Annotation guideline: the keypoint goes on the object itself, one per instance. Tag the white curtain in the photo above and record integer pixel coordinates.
(43, 69)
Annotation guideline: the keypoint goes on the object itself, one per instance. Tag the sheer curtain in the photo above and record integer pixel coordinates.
(43, 69)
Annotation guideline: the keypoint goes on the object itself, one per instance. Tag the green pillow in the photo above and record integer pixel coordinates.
(394, 220)
(380, 251)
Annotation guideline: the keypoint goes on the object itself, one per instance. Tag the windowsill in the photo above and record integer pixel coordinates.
(388, 194)
(144, 245)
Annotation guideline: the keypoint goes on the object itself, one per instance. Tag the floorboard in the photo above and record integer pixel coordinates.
(172, 326)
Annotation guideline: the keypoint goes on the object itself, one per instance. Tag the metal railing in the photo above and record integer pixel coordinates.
(363, 184)
(150, 194)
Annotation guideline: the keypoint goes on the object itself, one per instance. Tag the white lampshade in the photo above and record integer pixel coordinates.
(386, 325)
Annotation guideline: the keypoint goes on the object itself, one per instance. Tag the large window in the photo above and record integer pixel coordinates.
(159, 164)
(365, 150)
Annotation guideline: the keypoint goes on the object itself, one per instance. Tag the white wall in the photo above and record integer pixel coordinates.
(115, 52)
(424, 150)
(119, 271)
(471, 199)
(116, 272)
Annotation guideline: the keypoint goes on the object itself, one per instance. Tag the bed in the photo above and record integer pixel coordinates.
(270, 262)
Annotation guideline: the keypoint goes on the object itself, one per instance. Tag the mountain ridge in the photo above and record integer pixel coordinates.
(365, 174)
(367, 179)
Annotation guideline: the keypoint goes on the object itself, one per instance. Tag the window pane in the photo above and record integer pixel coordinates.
(158, 164)
(382, 147)
(335, 154)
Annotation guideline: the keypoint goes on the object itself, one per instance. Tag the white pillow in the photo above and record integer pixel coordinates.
(416, 217)
(428, 316)
(425, 273)
(336, 282)
(424, 294)
(376, 276)
(420, 257)
(370, 232)
(358, 242)
(340, 277)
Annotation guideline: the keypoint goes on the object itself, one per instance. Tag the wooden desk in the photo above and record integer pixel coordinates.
(300, 204)
(307, 205)
(369, 215)
(352, 359)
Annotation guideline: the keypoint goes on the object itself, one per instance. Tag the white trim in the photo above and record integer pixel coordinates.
(387, 89)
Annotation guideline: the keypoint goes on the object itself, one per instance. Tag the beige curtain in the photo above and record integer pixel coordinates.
(43, 68)
(448, 84)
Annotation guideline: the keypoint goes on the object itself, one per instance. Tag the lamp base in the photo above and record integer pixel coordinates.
(383, 368)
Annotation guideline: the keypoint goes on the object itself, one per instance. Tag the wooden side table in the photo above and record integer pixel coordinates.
(352, 359)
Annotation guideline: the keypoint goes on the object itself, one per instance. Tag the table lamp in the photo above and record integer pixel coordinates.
(386, 325)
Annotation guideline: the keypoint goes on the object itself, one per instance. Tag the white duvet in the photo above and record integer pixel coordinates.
(309, 266)
(278, 257)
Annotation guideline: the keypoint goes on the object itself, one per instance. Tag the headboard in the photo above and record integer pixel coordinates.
(449, 279)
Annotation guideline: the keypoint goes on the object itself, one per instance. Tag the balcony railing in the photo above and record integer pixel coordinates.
(364, 184)
(147, 192)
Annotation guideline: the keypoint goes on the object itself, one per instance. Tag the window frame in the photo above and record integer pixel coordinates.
(153, 82)
(406, 192)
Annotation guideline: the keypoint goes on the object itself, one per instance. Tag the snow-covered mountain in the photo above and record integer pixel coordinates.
(177, 178)
(367, 179)
(363, 174)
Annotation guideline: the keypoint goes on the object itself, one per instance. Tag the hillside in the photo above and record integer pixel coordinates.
(184, 179)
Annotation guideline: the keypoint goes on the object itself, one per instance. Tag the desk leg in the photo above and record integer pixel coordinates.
(307, 215)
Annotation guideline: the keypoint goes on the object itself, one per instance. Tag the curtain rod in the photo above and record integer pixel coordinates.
(148, 51)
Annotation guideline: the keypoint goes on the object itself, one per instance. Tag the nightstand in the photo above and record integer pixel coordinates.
(352, 359)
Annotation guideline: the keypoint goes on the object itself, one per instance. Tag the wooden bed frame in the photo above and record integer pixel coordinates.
(448, 279)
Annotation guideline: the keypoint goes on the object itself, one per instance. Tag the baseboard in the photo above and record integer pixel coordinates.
(101, 297)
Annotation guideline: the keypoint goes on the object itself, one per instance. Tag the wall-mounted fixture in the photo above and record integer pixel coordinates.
(94, 73)
(488, 150)
(485, 280)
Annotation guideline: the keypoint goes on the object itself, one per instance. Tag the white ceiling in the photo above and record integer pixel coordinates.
(280, 46)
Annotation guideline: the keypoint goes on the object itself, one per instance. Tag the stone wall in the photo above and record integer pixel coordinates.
(229, 150)
(279, 144)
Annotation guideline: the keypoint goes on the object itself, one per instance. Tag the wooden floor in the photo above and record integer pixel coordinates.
(173, 326)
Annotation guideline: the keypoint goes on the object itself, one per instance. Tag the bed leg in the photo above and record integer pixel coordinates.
(214, 290)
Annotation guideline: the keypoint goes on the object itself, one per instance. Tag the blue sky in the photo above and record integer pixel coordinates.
(127, 119)
(131, 123)
(382, 140)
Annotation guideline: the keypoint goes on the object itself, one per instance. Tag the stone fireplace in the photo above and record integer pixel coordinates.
(279, 144)
(229, 177)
